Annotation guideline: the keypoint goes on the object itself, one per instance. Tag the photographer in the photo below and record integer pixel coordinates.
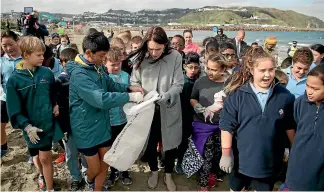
(33, 27)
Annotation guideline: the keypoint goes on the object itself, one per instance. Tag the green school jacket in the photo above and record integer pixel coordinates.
(30, 100)
(92, 94)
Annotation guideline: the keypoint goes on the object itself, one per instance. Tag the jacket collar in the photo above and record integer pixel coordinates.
(248, 89)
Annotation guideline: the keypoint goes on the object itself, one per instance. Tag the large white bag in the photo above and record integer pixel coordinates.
(130, 142)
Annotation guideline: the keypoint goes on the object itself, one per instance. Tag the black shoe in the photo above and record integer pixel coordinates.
(126, 179)
(113, 177)
(77, 185)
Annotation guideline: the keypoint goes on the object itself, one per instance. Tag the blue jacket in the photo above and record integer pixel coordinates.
(92, 94)
(306, 161)
(117, 114)
(57, 69)
(258, 137)
(7, 66)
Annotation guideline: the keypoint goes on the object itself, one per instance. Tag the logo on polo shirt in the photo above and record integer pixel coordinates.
(281, 112)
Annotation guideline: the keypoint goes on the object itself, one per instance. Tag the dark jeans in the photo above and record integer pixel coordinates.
(115, 130)
(151, 150)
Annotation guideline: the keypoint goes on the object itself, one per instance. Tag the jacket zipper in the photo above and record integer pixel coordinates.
(316, 117)
(32, 77)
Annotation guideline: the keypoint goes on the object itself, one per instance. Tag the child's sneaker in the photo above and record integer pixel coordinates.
(113, 177)
(126, 179)
(61, 158)
(212, 180)
(30, 160)
(41, 183)
(77, 185)
(91, 185)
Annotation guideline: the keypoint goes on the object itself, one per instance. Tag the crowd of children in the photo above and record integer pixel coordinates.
(217, 114)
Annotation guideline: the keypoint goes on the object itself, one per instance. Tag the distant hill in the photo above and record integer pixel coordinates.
(250, 15)
(202, 16)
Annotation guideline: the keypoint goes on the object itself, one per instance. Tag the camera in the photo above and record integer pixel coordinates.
(30, 21)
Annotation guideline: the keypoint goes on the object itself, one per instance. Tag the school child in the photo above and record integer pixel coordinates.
(257, 115)
(118, 118)
(71, 152)
(254, 44)
(136, 42)
(118, 42)
(318, 53)
(228, 50)
(55, 41)
(297, 73)
(191, 68)
(126, 36)
(65, 43)
(74, 46)
(306, 161)
(211, 47)
(51, 62)
(92, 94)
(30, 103)
(12, 55)
(286, 64)
(206, 133)
(282, 77)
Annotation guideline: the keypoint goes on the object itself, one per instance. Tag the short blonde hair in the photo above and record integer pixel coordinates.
(114, 54)
(29, 45)
(116, 40)
(126, 36)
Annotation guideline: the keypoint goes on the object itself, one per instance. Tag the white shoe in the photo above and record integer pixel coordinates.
(30, 160)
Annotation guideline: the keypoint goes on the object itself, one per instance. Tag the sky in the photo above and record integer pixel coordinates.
(307, 7)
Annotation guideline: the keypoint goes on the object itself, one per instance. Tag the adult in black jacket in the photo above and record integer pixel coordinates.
(33, 27)
(221, 37)
(239, 43)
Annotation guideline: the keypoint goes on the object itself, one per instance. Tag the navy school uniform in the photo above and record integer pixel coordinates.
(258, 135)
(306, 161)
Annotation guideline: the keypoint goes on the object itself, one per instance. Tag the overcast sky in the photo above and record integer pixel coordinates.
(308, 7)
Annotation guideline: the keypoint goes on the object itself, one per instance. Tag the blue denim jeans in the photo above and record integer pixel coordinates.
(72, 159)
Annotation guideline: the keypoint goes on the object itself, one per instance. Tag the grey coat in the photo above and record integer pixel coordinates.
(166, 77)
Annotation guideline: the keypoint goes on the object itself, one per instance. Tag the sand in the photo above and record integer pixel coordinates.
(18, 175)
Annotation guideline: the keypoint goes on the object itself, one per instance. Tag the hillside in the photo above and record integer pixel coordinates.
(251, 15)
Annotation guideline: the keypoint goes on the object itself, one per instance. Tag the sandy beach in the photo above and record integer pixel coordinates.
(18, 175)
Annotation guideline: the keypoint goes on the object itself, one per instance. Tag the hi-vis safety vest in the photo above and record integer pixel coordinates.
(292, 51)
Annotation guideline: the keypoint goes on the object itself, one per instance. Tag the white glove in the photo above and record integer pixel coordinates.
(226, 164)
(32, 133)
(208, 113)
(199, 108)
(136, 97)
(163, 98)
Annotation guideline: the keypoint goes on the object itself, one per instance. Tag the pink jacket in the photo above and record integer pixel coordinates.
(192, 47)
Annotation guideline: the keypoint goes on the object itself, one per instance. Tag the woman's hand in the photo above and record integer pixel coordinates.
(56, 111)
(136, 89)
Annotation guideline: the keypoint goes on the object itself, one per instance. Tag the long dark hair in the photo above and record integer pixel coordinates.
(156, 34)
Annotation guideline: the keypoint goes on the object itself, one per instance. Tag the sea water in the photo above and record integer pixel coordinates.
(284, 38)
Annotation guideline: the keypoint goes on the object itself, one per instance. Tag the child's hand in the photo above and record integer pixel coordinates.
(32, 133)
(136, 89)
(56, 110)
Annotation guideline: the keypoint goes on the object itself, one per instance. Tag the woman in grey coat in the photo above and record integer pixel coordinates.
(158, 67)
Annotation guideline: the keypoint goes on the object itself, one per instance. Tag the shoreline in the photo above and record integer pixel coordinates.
(225, 28)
